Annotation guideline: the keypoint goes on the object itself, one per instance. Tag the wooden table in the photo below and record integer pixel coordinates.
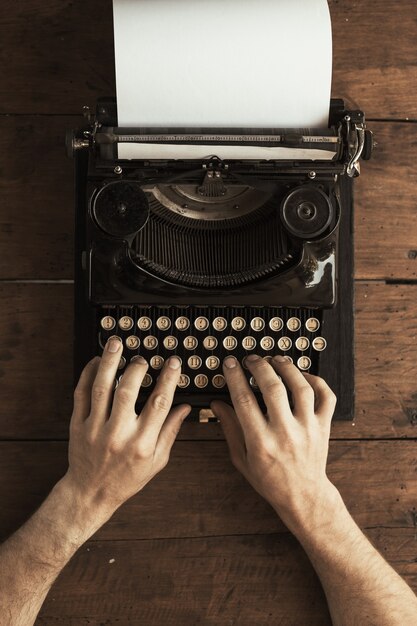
(198, 546)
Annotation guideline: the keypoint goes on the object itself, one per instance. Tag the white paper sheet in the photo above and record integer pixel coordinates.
(222, 63)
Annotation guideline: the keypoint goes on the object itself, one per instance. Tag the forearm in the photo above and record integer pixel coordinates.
(360, 586)
(32, 558)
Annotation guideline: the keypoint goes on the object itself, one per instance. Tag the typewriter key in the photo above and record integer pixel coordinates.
(156, 362)
(108, 322)
(219, 323)
(194, 362)
(163, 323)
(238, 323)
(304, 363)
(294, 324)
(147, 380)
(218, 381)
(210, 343)
(132, 342)
(120, 208)
(267, 343)
(249, 343)
(190, 343)
(257, 323)
(170, 342)
(201, 323)
(144, 323)
(212, 362)
(184, 381)
(126, 323)
(150, 342)
(312, 324)
(319, 344)
(302, 344)
(230, 343)
(253, 383)
(122, 363)
(276, 323)
(201, 381)
(182, 323)
(284, 343)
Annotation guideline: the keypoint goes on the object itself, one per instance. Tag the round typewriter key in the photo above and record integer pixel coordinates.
(147, 380)
(212, 362)
(150, 342)
(144, 323)
(156, 362)
(230, 343)
(218, 381)
(289, 359)
(132, 342)
(194, 362)
(312, 324)
(201, 323)
(170, 342)
(219, 323)
(238, 323)
(163, 323)
(253, 383)
(190, 342)
(184, 381)
(302, 344)
(108, 322)
(126, 323)
(182, 323)
(304, 363)
(249, 343)
(257, 323)
(319, 344)
(284, 343)
(267, 343)
(201, 381)
(122, 363)
(276, 324)
(210, 343)
(294, 324)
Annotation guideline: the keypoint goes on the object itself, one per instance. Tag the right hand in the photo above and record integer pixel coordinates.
(282, 455)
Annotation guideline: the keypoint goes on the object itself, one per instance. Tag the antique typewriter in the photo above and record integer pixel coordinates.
(214, 256)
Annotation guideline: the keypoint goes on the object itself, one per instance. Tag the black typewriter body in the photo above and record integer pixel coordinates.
(208, 258)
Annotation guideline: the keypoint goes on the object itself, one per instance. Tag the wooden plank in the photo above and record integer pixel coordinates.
(200, 494)
(37, 192)
(59, 56)
(36, 363)
(223, 580)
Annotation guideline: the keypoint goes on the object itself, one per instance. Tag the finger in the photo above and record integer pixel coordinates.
(82, 392)
(232, 432)
(244, 402)
(126, 394)
(301, 391)
(160, 401)
(101, 393)
(169, 431)
(325, 399)
(272, 388)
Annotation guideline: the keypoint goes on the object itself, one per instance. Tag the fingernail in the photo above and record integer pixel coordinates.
(138, 359)
(113, 343)
(281, 359)
(174, 363)
(230, 362)
(252, 358)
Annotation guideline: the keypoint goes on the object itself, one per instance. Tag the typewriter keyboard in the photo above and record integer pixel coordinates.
(203, 336)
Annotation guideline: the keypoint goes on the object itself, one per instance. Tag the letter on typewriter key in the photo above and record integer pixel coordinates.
(304, 363)
(312, 324)
(267, 343)
(210, 343)
(257, 324)
(170, 342)
(163, 323)
(284, 343)
(156, 362)
(132, 342)
(238, 323)
(182, 323)
(125, 323)
(108, 322)
(147, 380)
(230, 343)
(144, 323)
(249, 343)
(184, 381)
(294, 324)
(190, 343)
(219, 381)
(212, 362)
(150, 342)
(276, 324)
(319, 344)
(194, 362)
(302, 344)
(201, 381)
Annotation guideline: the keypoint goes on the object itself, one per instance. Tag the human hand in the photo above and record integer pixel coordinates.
(283, 455)
(113, 452)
